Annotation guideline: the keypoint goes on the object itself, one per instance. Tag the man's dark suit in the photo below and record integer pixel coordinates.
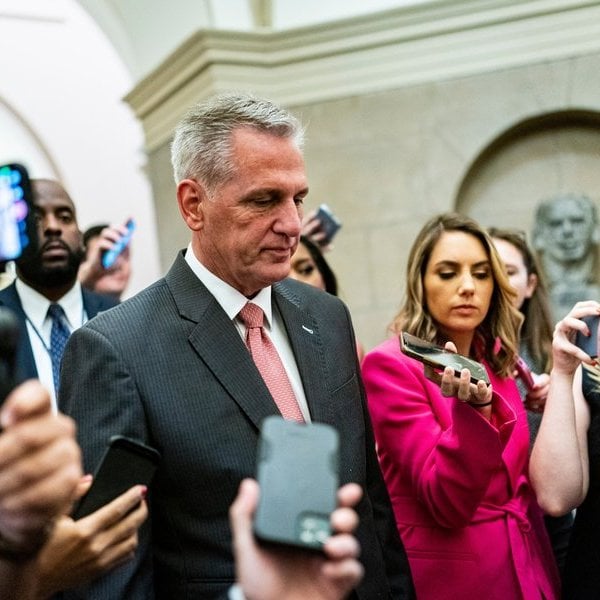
(169, 367)
(25, 367)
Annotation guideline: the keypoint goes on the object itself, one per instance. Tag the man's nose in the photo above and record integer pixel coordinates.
(567, 227)
(289, 218)
(50, 225)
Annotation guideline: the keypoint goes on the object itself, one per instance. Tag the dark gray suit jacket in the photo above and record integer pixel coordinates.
(168, 367)
(25, 365)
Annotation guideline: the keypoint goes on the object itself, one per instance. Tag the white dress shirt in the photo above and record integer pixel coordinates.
(39, 326)
(233, 301)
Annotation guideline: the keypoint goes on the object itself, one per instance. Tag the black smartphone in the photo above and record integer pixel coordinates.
(524, 373)
(18, 229)
(298, 474)
(589, 344)
(439, 358)
(9, 337)
(110, 256)
(329, 224)
(125, 463)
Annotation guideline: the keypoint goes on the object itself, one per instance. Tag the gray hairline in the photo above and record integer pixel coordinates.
(202, 142)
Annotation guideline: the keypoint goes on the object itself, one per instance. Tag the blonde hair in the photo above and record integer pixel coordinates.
(502, 321)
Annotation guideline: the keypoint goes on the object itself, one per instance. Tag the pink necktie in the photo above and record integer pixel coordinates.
(269, 364)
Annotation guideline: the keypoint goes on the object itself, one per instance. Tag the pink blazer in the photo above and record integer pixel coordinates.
(459, 485)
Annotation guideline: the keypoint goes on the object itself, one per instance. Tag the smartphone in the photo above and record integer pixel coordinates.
(125, 463)
(329, 224)
(110, 256)
(298, 474)
(439, 358)
(9, 336)
(18, 228)
(524, 373)
(589, 344)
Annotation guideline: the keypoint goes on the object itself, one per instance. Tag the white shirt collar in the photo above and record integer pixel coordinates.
(230, 299)
(36, 306)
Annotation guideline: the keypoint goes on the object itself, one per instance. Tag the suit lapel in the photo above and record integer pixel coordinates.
(228, 358)
(303, 331)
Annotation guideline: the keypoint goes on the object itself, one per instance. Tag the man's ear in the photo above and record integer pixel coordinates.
(191, 197)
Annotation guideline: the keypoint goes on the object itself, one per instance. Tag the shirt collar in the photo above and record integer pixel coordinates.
(230, 299)
(36, 306)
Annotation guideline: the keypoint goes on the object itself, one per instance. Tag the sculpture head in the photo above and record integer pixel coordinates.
(566, 228)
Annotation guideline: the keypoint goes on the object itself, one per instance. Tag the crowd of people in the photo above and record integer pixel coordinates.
(448, 487)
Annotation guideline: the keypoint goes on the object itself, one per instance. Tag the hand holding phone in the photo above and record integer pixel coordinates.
(329, 224)
(524, 373)
(125, 463)
(298, 476)
(439, 358)
(110, 256)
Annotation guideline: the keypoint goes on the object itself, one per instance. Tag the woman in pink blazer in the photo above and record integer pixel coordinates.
(454, 455)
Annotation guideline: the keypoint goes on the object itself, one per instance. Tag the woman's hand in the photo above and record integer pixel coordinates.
(311, 228)
(461, 387)
(565, 354)
(536, 397)
(80, 551)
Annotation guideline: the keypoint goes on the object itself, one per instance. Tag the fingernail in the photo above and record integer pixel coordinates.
(144, 492)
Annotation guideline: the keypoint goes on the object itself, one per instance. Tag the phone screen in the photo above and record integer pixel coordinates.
(439, 358)
(17, 222)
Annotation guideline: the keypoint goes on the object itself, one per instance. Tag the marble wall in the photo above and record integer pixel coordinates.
(487, 142)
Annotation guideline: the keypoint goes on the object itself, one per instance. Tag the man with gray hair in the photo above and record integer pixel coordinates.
(566, 235)
(182, 367)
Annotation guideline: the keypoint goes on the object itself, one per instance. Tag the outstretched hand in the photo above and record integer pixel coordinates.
(80, 551)
(460, 387)
(288, 574)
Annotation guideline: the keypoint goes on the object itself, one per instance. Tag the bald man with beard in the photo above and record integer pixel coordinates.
(48, 274)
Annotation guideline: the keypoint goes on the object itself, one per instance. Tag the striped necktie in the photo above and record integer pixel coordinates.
(58, 340)
(269, 363)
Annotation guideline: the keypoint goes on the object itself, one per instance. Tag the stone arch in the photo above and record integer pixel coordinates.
(531, 160)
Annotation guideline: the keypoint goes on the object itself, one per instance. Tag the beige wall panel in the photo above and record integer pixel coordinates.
(173, 233)
(386, 161)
